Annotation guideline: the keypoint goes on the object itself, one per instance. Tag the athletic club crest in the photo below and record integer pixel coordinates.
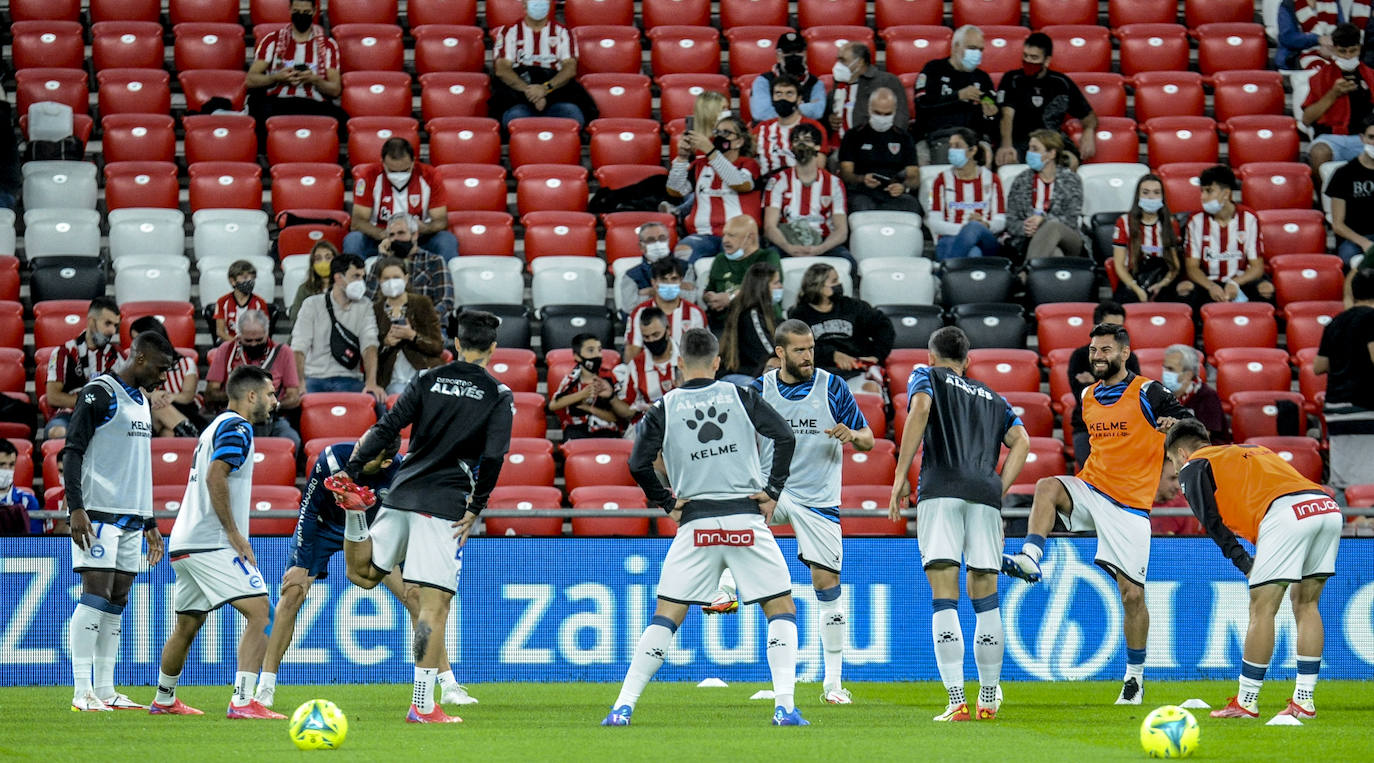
(1037, 101)
(415, 200)
(893, 148)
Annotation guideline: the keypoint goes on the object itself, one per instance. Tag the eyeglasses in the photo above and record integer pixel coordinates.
(727, 134)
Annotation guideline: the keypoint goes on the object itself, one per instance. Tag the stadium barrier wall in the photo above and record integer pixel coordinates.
(572, 610)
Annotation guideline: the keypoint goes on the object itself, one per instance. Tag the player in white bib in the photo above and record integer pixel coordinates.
(209, 547)
(108, 460)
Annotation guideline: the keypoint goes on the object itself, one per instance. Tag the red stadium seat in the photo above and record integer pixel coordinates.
(307, 185)
(295, 138)
(367, 134)
(549, 233)
(1261, 138)
(1201, 12)
(892, 13)
(449, 48)
(1242, 92)
(1222, 47)
(1123, 12)
(1255, 413)
(474, 186)
(54, 322)
(626, 96)
(271, 12)
(608, 49)
(129, 44)
(580, 13)
(452, 94)
(34, 10)
(313, 449)
(596, 461)
(208, 46)
(12, 376)
(683, 50)
(678, 92)
(343, 12)
(1005, 370)
(422, 12)
(530, 415)
(622, 175)
(985, 12)
(66, 86)
(1106, 93)
(823, 44)
(376, 94)
(274, 461)
(463, 140)
(874, 412)
(550, 187)
(1167, 94)
(529, 463)
(273, 498)
(524, 498)
(9, 278)
(1361, 496)
(1035, 410)
(1181, 185)
(179, 318)
(1117, 140)
(1276, 185)
(172, 460)
(1251, 368)
(1307, 277)
(504, 13)
(489, 233)
(872, 498)
(753, 49)
(374, 47)
(220, 11)
(1046, 14)
(658, 13)
(622, 232)
(125, 10)
(818, 13)
(898, 367)
(1312, 386)
(1306, 321)
(514, 367)
(624, 141)
(1045, 459)
(735, 14)
(47, 43)
(544, 140)
(1062, 325)
(875, 467)
(138, 138)
(226, 185)
(910, 48)
(12, 327)
(1181, 139)
(141, 184)
(301, 238)
(336, 414)
(1152, 48)
(1238, 324)
(220, 137)
(1301, 453)
(1159, 324)
(134, 91)
(203, 84)
(1081, 48)
(606, 499)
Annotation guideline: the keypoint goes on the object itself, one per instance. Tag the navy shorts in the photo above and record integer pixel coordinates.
(313, 544)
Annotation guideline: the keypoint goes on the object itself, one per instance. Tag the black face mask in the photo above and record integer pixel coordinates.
(254, 351)
(592, 365)
(795, 65)
(785, 109)
(656, 347)
(837, 291)
(302, 21)
(721, 143)
(401, 248)
(245, 287)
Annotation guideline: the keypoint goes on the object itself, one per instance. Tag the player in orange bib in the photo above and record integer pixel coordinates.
(1250, 491)
(1126, 416)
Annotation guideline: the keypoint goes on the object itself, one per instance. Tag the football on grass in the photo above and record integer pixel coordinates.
(1169, 732)
(318, 725)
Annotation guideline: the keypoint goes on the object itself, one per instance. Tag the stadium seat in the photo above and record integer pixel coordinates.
(1060, 279)
(560, 323)
(178, 317)
(753, 48)
(1238, 324)
(1109, 186)
(1361, 496)
(300, 238)
(47, 43)
(622, 232)
(336, 414)
(273, 498)
(1080, 48)
(549, 233)
(1306, 321)
(567, 280)
(230, 232)
(1254, 413)
(133, 91)
(124, 10)
(203, 84)
(617, 176)
(1002, 51)
(874, 467)
(305, 185)
(1312, 386)
(54, 322)
(823, 44)
(35, 10)
(991, 324)
(1005, 370)
(448, 48)
(1167, 94)
(1045, 459)
(530, 414)
(58, 185)
(819, 13)
(12, 338)
(12, 376)
(912, 324)
(985, 12)
(1198, 13)
(1181, 139)
(872, 498)
(422, 12)
(898, 367)
(1104, 91)
(271, 12)
(9, 264)
(143, 184)
(580, 13)
(893, 13)
(1250, 368)
(504, 13)
(1117, 141)
(529, 463)
(550, 187)
(544, 140)
(1035, 411)
(622, 141)
(452, 94)
(606, 49)
(524, 498)
(130, 44)
(483, 233)
(67, 86)
(1159, 324)
(172, 460)
(1123, 12)
(1181, 185)
(608, 498)
(735, 14)
(200, 45)
(464, 140)
(1152, 48)
(975, 279)
(376, 47)
(295, 138)
(226, 185)
(221, 11)
(678, 93)
(1244, 92)
(343, 12)
(146, 277)
(1306, 277)
(1302, 453)
(617, 96)
(677, 49)
(1231, 46)
(910, 48)
(1047, 14)
(1261, 138)
(474, 186)
(366, 135)
(515, 368)
(675, 12)
(1291, 231)
(56, 232)
(1062, 326)
(377, 94)
(1276, 185)
(138, 137)
(596, 461)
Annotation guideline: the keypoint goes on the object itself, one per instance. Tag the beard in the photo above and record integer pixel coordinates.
(1113, 368)
(799, 372)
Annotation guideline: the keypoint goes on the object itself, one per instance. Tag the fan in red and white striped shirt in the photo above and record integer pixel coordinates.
(1150, 244)
(954, 200)
(523, 45)
(819, 203)
(1224, 250)
(283, 51)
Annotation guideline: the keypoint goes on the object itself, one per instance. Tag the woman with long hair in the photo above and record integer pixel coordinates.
(746, 342)
(407, 325)
(966, 207)
(1145, 248)
(1045, 202)
(724, 180)
(317, 281)
(852, 339)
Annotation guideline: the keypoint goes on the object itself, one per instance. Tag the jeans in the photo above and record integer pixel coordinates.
(279, 427)
(333, 384)
(442, 243)
(973, 240)
(701, 244)
(1348, 250)
(561, 110)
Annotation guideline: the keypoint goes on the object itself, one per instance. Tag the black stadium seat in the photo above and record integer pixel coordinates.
(992, 325)
(66, 278)
(514, 331)
(975, 279)
(913, 324)
(1060, 279)
(560, 323)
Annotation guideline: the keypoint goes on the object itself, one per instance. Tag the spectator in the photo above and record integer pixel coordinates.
(746, 341)
(791, 65)
(647, 376)
(428, 275)
(967, 210)
(1038, 98)
(1145, 248)
(408, 327)
(878, 160)
(173, 404)
(857, 78)
(1351, 190)
(740, 252)
(535, 66)
(335, 336)
(253, 347)
(242, 278)
(654, 245)
(1224, 245)
(724, 181)
(585, 399)
(1305, 27)
(1338, 101)
(16, 503)
(1346, 356)
(399, 186)
(1045, 201)
(88, 355)
(852, 339)
(707, 111)
(1081, 375)
(11, 180)
(773, 137)
(805, 216)
(953, 92)
(317, 280)
(295, 70)
(679, 314)
(1180, 376)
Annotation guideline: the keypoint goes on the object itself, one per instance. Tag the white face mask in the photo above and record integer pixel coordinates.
(840, 72)
(356, 290)
(655, 250)
(1369, 150)
(6, 479)
(398, 179)
(393, 287)
(880, 122)
(1211, 207)
(1348, 64)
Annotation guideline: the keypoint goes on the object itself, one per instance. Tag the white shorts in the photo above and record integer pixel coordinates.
(112, 548)
(1123, 537)
(424, 545)
(1298, 539)
(704, 548)
(819, 542)
(948, 529)
(207, 580)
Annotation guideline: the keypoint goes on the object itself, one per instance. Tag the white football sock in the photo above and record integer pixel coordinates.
(355, 526)
(267, 684)
(988, 648)
(244, 683)
(782, 659)
(446, 678)
(107, 653)
(1306, 684)
(84, 632)
(649, 653)
(423, 695)
(832, 639)
(949, 652)
(166, 688)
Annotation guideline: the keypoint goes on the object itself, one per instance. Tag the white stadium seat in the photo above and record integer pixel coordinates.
(487, 280)
(61, 232)
(897, 281)
(147, 230)
(230, 233)
(151, 277)
(1109, 187)
(7, 235)
(569, 281)
(64, 184)
(885, 234)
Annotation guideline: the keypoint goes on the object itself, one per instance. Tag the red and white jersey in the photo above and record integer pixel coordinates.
(717, 202)
(773, 140)
(687, 315)
(1224, 251)
(641, 382)
(1151, 243)
(955, 199)
(282, 50)
(75, 363)
(424, 192)
(814, 203)
(227, 309)
(842, 101)
(543, 47)
(1041, 194)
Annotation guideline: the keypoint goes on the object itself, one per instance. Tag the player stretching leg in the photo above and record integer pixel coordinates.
(963, 425)
(209, 547)
(460, 420)
(706, 431)
(1126, 416)
(1249, 491)
(109, 466)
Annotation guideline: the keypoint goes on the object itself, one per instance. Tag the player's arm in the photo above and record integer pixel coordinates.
(1200, 488)
(646, 450)
(1163, 408)
(917, 417)
(91, 410)
(770, 424)
(229, 452)
(384, 431)
(850, 425)
(1018, 445)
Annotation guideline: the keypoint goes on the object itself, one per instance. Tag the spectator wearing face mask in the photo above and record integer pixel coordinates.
(967, 211)
(853, 340)
(428, 276)
(253, 347)
(585, 399)
(637, 285)
(725, 181)
(746, 337)
(773, 137)
(407, 327)
(740, 252)
(295, 70)
(348, 364)
(805, 216)
(88, 355)
(1180, 376)
(857, 78)
(1045, 202)
(679, 313)
(535, 66)
(1338, 101)
(645, 378)
(400, 185)
(791, 65)
(16, 503)
(1224, 245)
(953, 92)
(1036, 97)
(317, 278)
(878, 160)
(242, 278)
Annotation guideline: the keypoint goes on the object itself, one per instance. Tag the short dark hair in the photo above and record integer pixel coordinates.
(1362, 285)
(476, 330)
(785, 81)
(7, 447)
(862, 52)
(1365, 123)
(1186, 431)
(102, 303)
(581, 339)
(950, 343)
(788, 328)
(699, 346)
(240, 267)
(147, 323)
(650, 314)
(666, 267)
(342, 263)
(154, 341)
(397, 148)
(1218, 174)
(810, 131)
(1117, 333)
(1345, 36)
(245, 379)
(1105, 308)
(1040, 40)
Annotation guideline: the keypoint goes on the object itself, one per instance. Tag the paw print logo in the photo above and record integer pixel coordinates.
(987, 640)
(946, 637)
(707, 424)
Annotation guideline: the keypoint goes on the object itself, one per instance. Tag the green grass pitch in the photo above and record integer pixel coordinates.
(677, 721)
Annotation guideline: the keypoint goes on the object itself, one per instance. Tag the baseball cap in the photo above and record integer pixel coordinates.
(791, 42)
